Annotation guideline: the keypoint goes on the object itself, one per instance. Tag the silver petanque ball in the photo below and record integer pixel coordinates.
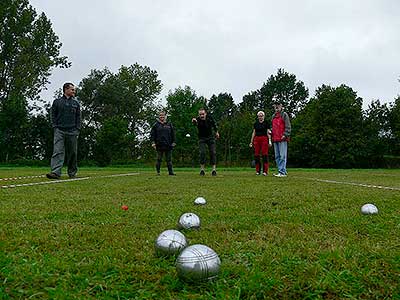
(369, 209)
(197, 263)
(170, 242)
(189, 221)
(200, 201)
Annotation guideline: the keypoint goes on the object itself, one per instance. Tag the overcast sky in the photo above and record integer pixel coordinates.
(233, 46)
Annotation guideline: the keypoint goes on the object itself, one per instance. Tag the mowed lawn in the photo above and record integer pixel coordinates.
(278, 238)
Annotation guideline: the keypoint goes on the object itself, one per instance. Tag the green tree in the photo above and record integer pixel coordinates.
(182, 105)
(285, 87)
(376, 133)
(29, 50)
(129, 95)
(394, 127)
(329, 132)
(223, 109)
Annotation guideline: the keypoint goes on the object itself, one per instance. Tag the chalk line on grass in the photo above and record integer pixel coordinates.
(353, 183)
(65, 180)
(21, 177)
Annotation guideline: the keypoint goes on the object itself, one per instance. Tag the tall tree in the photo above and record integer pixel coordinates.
(285, 87)
(130, 95)
(376, 133)
(394, 125)
(182, 106)
(29, 50)
(328, 132)
(288, 89)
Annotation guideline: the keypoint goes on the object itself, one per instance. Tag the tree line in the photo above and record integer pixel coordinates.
(329, 129)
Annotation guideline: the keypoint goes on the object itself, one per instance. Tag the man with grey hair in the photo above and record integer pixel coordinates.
(66, 121)
(281, 129)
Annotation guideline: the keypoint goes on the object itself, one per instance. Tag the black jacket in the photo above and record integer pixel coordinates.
(206, 127)
(66, 114)
(163, 135)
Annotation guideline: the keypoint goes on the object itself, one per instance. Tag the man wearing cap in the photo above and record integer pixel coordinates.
(281, 129)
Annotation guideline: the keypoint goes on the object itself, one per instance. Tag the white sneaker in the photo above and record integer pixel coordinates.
(280, 175)
(257, 173)
(265, 174)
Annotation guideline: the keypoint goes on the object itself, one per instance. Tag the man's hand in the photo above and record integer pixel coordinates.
(251, 144)
(194, 120)
(217, 135)
(173, 144)
(153, 145)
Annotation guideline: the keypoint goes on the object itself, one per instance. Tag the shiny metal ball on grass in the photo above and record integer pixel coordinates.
(189, 221)
(198, 263)
(369, 209)
(200, 201)
(170, 242)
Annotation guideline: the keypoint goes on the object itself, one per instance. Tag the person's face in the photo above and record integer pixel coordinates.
(260, 118)
(278, 107)
(70, 91)
(202, 114)
(162, 117)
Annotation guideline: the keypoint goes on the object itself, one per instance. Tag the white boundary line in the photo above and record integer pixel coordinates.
(353, 183)
(65, 180)
(21, 177)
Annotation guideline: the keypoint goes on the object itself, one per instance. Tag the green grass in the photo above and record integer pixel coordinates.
(278, 238)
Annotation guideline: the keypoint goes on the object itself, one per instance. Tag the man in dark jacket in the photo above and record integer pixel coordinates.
(207, 128)
(66, 121)
(163, 140)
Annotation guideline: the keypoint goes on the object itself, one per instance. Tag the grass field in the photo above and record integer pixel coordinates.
(278, 238)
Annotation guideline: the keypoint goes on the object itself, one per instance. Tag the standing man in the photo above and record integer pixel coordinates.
(163, 140)
(281, 129)
(207, 128)
(66, 121)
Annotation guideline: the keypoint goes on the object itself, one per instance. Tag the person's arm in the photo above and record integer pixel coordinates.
(54, 113)
(173, 136)
(153, 136)
(288, 127)
(215, 127)
(78, 117)
(194, 120)
(252, 138)
(269, 137)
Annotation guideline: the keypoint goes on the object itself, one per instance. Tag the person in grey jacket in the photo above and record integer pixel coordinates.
(66, 122)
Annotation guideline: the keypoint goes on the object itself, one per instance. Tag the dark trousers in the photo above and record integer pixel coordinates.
(168, 158)
(65, 149)
(210, 143)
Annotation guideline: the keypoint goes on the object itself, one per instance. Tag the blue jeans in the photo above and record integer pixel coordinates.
(281, 156)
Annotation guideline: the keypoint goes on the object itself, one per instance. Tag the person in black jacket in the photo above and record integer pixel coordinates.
(207, 128)
(66, 121)
(163, 140)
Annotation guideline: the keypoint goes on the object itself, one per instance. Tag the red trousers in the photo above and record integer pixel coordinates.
(260, 144)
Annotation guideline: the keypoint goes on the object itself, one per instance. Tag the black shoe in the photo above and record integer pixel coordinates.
(202, 173)
(214, 173)
(158, 173)
(72, 176)
(172, 174)
(52, 176)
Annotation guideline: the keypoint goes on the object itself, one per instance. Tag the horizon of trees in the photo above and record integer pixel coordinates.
(330, 128)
